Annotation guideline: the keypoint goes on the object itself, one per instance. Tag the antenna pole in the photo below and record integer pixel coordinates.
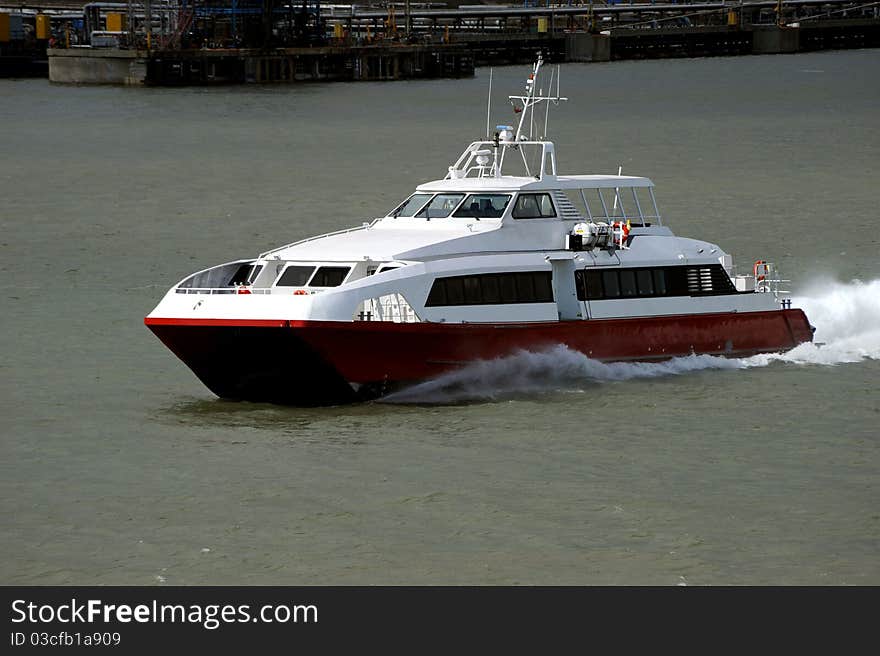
(558, 78)
(617, 191)
(547, 112)
(489, 107)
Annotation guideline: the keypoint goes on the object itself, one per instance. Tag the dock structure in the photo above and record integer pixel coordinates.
(169, 42)
(247, 65)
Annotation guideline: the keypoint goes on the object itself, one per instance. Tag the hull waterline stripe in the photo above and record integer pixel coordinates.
(253, 323)
(385, 326)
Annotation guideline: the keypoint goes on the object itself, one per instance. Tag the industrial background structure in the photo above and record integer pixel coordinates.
(232, 41)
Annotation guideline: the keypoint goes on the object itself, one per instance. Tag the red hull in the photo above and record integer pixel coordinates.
(313, 361)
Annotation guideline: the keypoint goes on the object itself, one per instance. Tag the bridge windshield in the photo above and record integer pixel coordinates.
(483, 206)
(441, 206)
(411, 205)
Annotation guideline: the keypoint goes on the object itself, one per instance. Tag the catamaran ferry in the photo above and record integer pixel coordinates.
(481, 264)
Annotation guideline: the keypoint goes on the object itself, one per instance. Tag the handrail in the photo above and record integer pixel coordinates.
(223, 290)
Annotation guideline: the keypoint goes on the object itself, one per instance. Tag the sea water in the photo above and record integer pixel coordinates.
(117, 466)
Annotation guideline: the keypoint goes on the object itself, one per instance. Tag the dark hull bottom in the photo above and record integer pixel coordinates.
(263, 364)
(324, 363)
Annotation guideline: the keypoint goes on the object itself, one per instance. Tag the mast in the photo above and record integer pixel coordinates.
(506, 136)
(529, 101)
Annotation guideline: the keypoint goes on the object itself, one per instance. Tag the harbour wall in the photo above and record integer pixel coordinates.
(97, 66)
(458, 59)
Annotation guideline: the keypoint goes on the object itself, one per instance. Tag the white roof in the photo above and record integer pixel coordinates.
(510, 183)
(382, 241)
(601, 181)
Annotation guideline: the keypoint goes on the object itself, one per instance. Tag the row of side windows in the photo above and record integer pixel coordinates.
(492, 289)
(602, 284)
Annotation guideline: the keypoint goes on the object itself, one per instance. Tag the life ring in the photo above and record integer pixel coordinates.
(624, 230)
(760, 265)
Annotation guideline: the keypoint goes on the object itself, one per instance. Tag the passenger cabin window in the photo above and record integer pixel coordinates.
(610, 284)
(492, 289)
(295, 276)
(412, 205)
(245, 274)
(645, 282)
(441, 206)
(329, 276)
(604, 284)
(483, 206)
(627, 283)
(533, 206)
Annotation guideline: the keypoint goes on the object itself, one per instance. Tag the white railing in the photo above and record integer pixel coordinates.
(767, 281)
(223, 290)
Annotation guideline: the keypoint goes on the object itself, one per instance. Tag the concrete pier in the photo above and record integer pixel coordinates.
(97, 66)
(586, 47)
(239, 66)
(775, 40)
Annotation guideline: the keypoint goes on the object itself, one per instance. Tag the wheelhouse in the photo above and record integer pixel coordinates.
(577, 198)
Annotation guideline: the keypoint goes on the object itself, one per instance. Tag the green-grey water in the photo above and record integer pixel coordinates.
(119, 467)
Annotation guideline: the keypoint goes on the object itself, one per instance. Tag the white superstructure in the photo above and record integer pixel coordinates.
(478, 220)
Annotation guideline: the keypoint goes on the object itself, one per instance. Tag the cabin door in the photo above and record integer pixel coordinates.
(568, 307)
